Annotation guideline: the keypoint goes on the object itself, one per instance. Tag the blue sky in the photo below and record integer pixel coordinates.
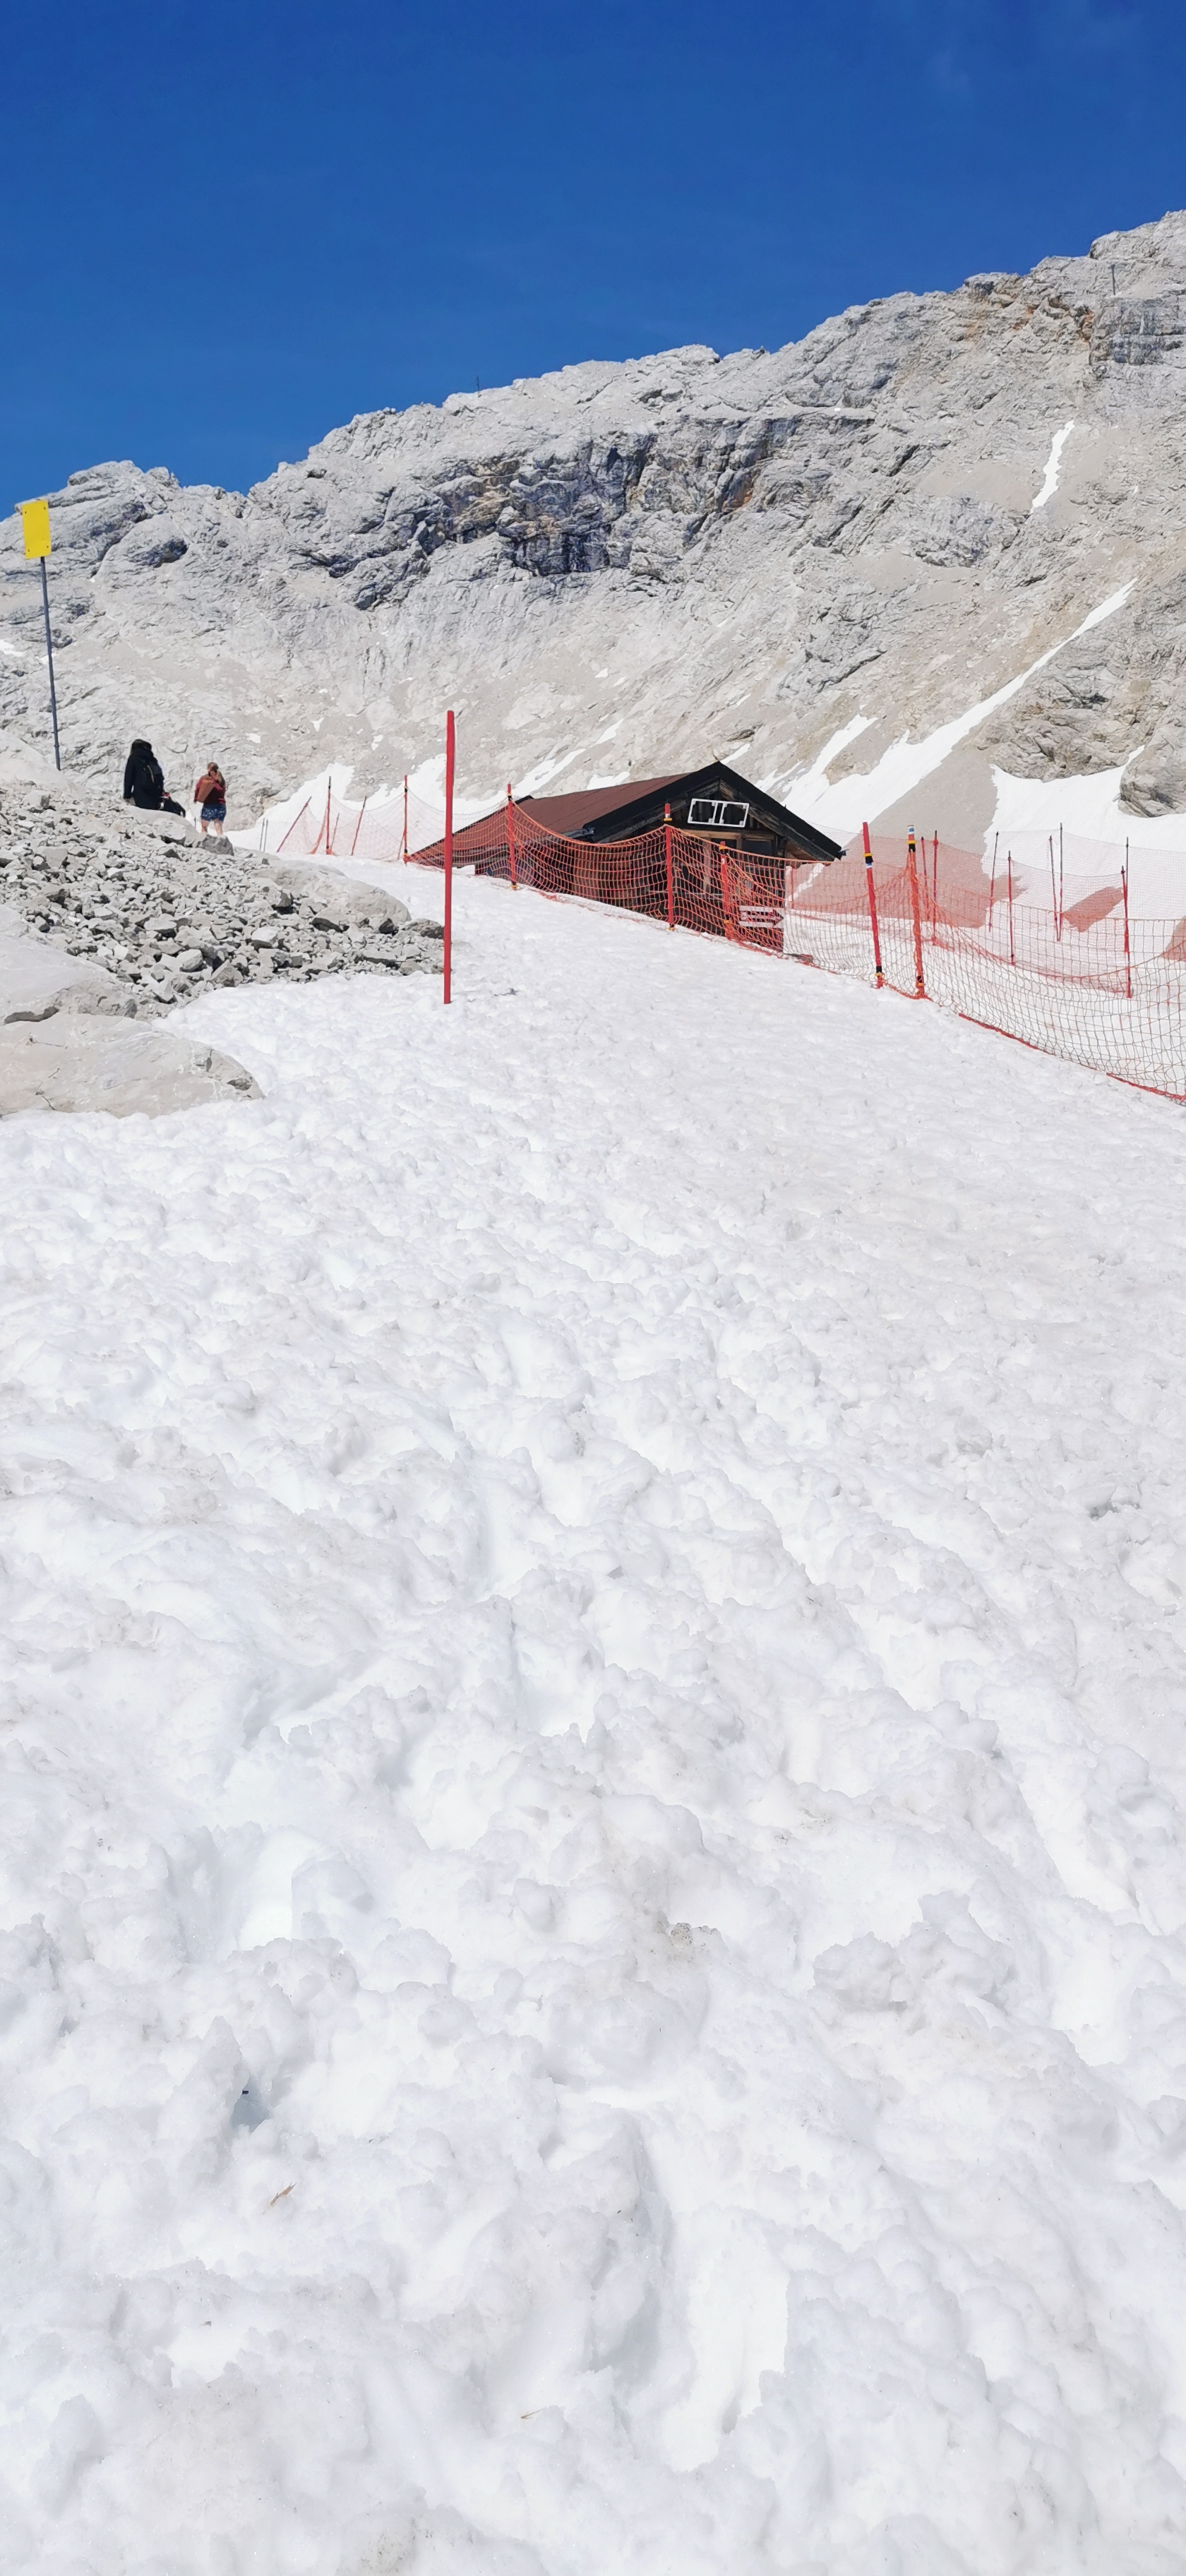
(229, 227)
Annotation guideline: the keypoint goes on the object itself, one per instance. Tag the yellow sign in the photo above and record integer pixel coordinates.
(35, 517)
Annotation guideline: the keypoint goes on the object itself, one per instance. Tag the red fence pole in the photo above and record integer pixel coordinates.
(667, 855)
(1009, 862)
(405, 819)
(728, 906)
(297, 818)
(912, 873)
(872, 906)
(450, 748)
(328, 793)
(1127, 950)
(511, 833)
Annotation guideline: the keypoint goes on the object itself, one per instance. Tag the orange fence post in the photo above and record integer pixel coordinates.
(297, 818)
(511, 833)
(728, 904)
(912, 873)
(358, 826)
(449, 760)
(872, 907)
(667, 855)
(1127, 950)
(405, 818)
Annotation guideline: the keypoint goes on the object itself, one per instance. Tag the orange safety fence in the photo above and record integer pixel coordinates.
(684, 878)
(1088, 978)
(379, 832)
(1076, 948)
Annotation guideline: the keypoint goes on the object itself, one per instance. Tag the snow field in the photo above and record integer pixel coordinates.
(592, 1864)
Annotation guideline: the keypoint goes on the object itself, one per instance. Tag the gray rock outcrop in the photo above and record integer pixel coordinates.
(623, 565)
(79, 1061)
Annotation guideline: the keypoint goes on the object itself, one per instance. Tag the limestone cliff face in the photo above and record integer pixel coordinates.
(622, 566)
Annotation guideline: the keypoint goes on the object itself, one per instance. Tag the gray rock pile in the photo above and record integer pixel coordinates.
(165, 915)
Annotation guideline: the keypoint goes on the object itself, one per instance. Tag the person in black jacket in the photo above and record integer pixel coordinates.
(144, 782)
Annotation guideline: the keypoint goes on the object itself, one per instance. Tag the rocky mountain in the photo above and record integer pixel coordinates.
(796, 559)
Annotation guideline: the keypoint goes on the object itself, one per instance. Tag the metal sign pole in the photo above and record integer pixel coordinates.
(35, 524)
(49, 655)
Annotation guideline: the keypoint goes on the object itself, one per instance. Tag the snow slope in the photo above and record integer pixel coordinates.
(593, 1879)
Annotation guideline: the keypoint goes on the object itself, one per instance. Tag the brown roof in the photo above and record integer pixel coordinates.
(569, 814)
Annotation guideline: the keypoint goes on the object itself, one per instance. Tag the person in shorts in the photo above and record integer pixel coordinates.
(210, 794)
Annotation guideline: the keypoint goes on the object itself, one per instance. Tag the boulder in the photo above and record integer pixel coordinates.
(339, 900)
(88, 1063)
(37, 982)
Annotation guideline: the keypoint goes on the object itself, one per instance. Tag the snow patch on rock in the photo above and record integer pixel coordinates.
(1049, 483)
